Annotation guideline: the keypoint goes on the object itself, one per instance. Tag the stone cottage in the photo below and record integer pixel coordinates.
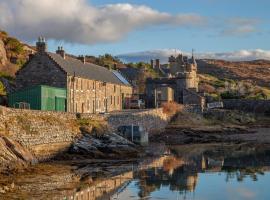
(89, 88)
(178, 79)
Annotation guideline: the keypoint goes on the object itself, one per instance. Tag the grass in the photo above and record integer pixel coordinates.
(92, 126)
(231, 89)
(171, 108)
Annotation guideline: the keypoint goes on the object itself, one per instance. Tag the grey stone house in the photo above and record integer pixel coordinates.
(89, 88)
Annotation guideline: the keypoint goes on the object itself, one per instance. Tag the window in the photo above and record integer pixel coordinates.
(93, 85)
(82, 107)
(81, 84)
(111, 100)
(77, 84)
(114, 88)
(114, 100)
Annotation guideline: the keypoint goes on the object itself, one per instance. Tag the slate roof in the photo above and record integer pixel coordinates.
(87, 70)
(120, 77)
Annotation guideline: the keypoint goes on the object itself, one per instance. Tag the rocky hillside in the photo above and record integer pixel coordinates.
(13, 54)
(227, 80)
(256, 72)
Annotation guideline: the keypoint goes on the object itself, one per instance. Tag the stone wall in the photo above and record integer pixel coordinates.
(40, 70)
(256, 106)
(46, 134)
(152, 120)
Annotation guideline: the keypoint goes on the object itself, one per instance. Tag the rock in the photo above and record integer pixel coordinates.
(107, 145)
(3, 54)
(2, 191)
(6, 188)
(13, 155)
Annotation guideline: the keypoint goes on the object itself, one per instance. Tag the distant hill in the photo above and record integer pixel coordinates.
(257, 71)
(215, 74)
(225, 79)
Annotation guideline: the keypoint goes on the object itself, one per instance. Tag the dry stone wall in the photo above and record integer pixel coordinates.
(45, 134)
(153, 120)
(255, 106)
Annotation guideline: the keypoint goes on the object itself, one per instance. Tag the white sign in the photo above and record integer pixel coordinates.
(215, 105)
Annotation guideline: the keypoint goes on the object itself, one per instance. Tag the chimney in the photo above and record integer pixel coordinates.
(60, 51)
(41, 45)
(157, 67)
(82, 58)
(152, 63)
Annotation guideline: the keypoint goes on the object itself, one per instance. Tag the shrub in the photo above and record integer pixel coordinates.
(14, 45)
(171, 108)
(229, 95)
(2, 89)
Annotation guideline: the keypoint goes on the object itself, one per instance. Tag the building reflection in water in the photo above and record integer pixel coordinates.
(179, 173)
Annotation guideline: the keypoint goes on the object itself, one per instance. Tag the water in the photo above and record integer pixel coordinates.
(217, 173)
(189, 172)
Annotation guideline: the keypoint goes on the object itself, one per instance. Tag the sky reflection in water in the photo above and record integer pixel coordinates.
(241, 173)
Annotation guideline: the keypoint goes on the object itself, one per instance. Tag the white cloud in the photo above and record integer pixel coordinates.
(242, 55)
(79, 22)
(238, 26)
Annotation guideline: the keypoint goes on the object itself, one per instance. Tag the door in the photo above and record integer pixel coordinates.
(60, 104)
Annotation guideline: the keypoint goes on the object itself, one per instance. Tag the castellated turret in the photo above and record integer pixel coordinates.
(185, 70)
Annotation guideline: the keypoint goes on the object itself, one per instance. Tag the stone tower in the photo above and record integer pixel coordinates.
(185, 70)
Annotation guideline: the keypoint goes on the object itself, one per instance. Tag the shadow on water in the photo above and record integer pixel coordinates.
(189, 172)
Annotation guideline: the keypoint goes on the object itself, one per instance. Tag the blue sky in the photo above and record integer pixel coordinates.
(203, 40)
(118, 27)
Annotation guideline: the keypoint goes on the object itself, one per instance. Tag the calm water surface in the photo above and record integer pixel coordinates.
(188, 172)
(215, 173)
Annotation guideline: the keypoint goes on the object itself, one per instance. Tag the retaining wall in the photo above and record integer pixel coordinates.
(45, 134)
(256, 106)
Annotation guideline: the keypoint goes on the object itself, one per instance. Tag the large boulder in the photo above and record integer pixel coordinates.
(3, 54)
(13, 155)
(108, 145)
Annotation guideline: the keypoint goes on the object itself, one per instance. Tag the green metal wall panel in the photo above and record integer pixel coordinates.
(30, 96)
(60, 104)
(53, 98)
(40, 98)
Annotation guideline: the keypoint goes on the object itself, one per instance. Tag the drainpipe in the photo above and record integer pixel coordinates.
(155, 97)
(106, 100)
(132, 132)
(73, 80)
(95, 110)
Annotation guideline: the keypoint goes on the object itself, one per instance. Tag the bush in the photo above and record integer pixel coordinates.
(171, 108)
(14, 45)
(229, 95)
(2, 89)
(6, 76)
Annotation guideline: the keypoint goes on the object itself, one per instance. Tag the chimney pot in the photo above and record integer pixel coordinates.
(61, 52)
(41, 45)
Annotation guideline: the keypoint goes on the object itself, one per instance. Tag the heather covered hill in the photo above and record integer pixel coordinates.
(257, 71)
(13, 54)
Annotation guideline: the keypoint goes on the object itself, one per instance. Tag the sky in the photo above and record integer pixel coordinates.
(227, 29)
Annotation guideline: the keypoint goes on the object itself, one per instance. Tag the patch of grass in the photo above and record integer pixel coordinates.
(2, 89)
(6, 76)
(24, 122)
(92, 126)
(171, 108)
